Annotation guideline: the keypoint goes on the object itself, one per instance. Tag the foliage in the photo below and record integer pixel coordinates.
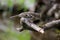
(14, 35)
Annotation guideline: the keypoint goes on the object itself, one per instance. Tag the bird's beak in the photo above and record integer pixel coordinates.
(14, 16)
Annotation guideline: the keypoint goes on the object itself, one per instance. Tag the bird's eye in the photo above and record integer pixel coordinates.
(26, 15)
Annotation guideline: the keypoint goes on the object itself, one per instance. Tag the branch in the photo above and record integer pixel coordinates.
(32, 25)
(51, 24)
(49, 13)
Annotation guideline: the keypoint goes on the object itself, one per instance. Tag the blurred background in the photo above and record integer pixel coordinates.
(9, 8)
